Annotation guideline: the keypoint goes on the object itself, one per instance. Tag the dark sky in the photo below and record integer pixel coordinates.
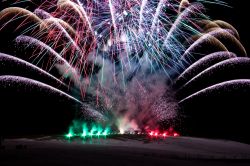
(235, 15)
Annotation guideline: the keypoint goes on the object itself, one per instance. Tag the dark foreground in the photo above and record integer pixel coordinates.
(124, 151)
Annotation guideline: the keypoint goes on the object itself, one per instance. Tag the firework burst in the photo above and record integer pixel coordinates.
(119, 58)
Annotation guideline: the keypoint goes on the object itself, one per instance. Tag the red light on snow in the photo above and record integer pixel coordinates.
(164, 134)
(176, 135)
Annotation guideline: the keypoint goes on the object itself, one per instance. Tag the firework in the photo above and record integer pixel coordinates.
(124, 55)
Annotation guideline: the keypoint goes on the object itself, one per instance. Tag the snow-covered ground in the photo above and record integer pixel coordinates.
(125, 150)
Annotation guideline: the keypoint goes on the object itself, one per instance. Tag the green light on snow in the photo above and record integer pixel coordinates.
(84, 134)
(106, 131)
(71, 133)
(93, 130)
(99, 131)
(81, 129)
(84, 130)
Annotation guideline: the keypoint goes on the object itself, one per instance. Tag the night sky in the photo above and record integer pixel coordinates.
(221, 113)
(236, 15)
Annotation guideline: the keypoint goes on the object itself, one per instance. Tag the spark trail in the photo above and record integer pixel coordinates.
(121, 58)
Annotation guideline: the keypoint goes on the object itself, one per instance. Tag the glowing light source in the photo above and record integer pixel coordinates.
(84, 130)
(164, 134)
(81, 129)
(106, 131)
(69, 135)
(98, 133)
(122, 131)
(92, 131)
(84, 134)
(176, 135)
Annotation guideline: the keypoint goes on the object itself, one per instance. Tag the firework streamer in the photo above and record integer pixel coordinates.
(130, 64)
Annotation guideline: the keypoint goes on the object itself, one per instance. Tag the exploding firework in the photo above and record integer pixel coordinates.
(126, 63)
